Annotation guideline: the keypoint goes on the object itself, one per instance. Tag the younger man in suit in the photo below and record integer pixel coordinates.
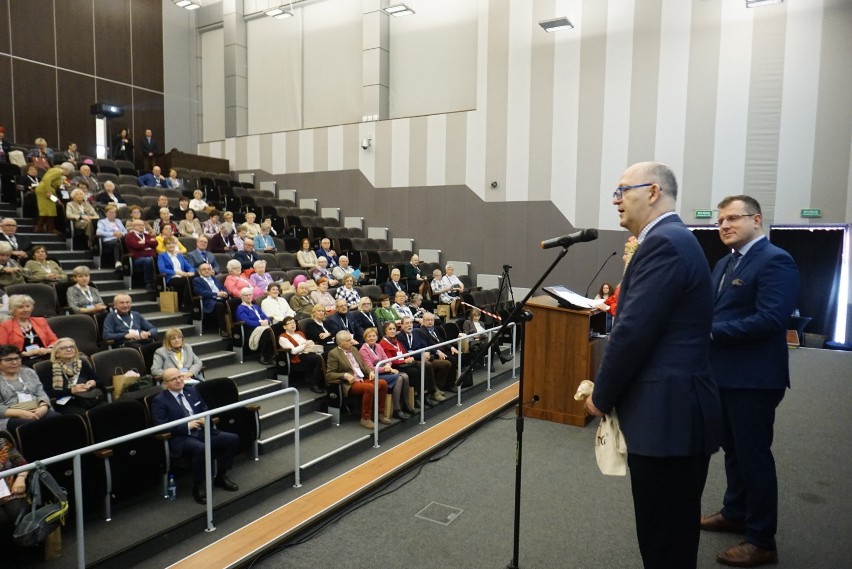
(178, 401)
(756, 288)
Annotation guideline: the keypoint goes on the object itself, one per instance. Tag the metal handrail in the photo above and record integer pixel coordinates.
(76, 454)
(450, 342)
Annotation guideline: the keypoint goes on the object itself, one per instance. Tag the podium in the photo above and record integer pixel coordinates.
(558, 355)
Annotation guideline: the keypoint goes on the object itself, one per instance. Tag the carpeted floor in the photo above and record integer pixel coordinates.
(572, 516)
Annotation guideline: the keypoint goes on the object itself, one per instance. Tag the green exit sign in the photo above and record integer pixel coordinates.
(703, 214)
(812, 212)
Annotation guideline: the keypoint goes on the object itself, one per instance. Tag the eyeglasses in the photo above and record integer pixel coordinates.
(11, 359)
(732, 219)
(65, 347)
(618, 194)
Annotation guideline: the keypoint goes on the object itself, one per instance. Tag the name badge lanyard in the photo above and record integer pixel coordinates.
(129, 326)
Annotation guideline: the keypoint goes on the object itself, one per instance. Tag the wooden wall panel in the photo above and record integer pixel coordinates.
(112, 48)
(32, 30)
(148, 113)
(35, 102)
(75, 43)
(146, 19)
(5, 38)
(76, 123)
(6, 95)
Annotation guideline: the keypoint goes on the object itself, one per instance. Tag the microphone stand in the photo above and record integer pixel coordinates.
(521, 317)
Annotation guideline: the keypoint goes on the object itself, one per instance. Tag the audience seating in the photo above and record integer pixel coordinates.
(43, 295)
(115, 362)
(242, 421)
(129, 468)
(126, 167)
(82, 328)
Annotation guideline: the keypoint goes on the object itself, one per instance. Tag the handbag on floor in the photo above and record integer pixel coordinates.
(44, 517)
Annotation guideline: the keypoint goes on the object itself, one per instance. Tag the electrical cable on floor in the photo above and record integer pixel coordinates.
(382, 490)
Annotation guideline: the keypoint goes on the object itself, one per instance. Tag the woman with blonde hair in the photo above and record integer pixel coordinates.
(82, 213)
(29, 334)
(82, 298)
(75, 387)
(175, 353)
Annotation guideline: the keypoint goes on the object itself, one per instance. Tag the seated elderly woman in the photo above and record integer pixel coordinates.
(136, 212)
(174, 353)
(348, 293)
(164, 220)
(75, 386)
(302, 357)
(263, 242)
(322, 296)
(372, 352)
(415, 280)
(274, 305)
(13, 504)
(261, 335)
(260, 278)
(82, 298)
(211, 226)
(177, 271)
(22, 396)
(31, 335)
(252, 227)
(43, 270)
(474, 325)
(387, 313)
(444, 291)
(235, 282)
(166, 234)
(223, 241)
(83, 214)
(321, 272)
(189, 226)
(197, 202)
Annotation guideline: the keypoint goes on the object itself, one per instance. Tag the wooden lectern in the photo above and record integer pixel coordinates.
(558, 355)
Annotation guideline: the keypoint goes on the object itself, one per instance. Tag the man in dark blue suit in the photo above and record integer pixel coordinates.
(756, 287)
(178, 401)
(213, 295)
(656, 370)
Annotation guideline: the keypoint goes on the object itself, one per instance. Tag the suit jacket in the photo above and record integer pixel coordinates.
(422, 339)
(335, 323)
(409, 345)
(390, 288)
(751, 314)
(362, 323)
(333, 261)
(302, 305)
(312, 331)
(164, 359)
(165, 266)
(208, 297)
(219, 244)
(195, 258)
(165, 409)
(656, 369)
(24, 243)
(337, 365)
(105, 199)
(246, 259)
(149, 181)
(115, 327)
(146, 147)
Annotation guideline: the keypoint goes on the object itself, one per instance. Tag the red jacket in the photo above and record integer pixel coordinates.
(10, 332)
(147, 247)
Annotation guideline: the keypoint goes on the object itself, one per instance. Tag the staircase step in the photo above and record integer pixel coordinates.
(281, 409)
(258, 387)
(163, 320)
(213, 360)
(280, 435)
(208, 343)
(112, 284)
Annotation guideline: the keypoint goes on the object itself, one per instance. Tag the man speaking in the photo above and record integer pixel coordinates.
(656, 372)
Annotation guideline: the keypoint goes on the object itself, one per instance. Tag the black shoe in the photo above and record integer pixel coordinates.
(430, 403)
(222, 481)
(199, 494)
(409, 411)
(318, 389)
(401, 415)
(150, 288)
(505, 359)
(266, 361)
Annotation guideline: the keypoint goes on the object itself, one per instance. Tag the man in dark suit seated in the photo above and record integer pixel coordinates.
(406, 338)
(247, 256)
(178, 401)
(364, 318)
(154, 211)
(443, 365)
(656, 371)
(153, 179)
(756, 287)
(20, 244)
(201, 255)
(316, 330)
(340, 320)
(213, 295)
(394, 284)
(326, 251)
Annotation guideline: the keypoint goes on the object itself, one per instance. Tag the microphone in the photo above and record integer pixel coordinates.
(568, 240)
(599, 272)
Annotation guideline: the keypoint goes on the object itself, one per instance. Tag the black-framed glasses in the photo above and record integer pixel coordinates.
(11, 359)
(733, 218)
(618, 194)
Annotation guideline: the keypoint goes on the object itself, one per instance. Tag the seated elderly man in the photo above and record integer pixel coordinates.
(11, 272)
(213, 295)
(153, 179)
(343, 269)
(301, 302)
(177, 401)
(328, 253)
(247, 256)
(127, 327)
(345, 366)
(201, 255)
(394, 284)
(321, 270)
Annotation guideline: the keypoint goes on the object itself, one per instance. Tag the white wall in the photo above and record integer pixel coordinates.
(180, 79)
(433, 59)
(213, 85)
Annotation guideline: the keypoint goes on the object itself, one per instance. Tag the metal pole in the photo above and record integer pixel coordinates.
(208, 475)
(78, 512)
(298, 465)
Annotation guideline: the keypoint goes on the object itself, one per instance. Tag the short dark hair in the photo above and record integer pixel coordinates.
(6, 349)
(751, 204)
(287, 320)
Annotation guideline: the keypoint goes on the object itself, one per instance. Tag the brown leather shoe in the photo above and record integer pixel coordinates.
(368, 424)
(745, 554)
(718, 522)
